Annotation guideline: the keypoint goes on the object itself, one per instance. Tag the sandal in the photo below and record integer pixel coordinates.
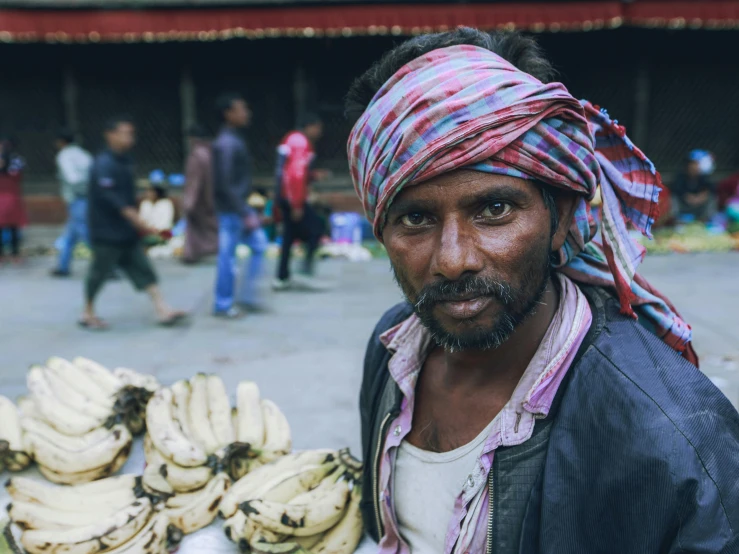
(175, 318)
(93, 324)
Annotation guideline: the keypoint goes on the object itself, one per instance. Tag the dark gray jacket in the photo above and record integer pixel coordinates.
(231, 172)
(639, 455)
(111, 190)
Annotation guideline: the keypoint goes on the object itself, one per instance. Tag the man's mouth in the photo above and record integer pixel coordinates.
(465, 307)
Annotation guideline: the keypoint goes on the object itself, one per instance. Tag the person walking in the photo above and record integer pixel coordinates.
(12, 211)
(73, 169)
(300, 221)
(236, 221)
(116, 228)
(201, 229)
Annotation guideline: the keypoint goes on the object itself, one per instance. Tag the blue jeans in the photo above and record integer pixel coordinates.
(75, 231)
(230, 233)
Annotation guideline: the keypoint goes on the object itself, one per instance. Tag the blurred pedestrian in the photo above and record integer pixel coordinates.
(232, 174)
(693, 192)
(12, 210)
(156, 209)
(73, 170)
(116, 228)
(201, 229)
(295, 154)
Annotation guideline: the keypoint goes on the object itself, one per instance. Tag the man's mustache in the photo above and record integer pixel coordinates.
(463, 289)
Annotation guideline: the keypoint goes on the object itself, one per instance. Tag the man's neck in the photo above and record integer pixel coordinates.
(504, 365)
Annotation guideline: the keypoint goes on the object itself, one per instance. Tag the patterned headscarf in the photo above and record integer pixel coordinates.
(466, 107)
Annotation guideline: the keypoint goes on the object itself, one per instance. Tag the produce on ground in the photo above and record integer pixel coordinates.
(113, 515)
(13, 452)
(306, 502)
(79, 418)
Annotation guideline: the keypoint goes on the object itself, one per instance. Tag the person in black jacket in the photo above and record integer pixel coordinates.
(116, 229)
(534, 394)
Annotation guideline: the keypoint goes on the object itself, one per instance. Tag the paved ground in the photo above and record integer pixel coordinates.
(307, 353)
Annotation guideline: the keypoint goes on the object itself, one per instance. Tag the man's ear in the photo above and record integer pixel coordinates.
(566, 204)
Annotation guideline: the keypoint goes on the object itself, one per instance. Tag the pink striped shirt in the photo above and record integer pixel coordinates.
(410, 343)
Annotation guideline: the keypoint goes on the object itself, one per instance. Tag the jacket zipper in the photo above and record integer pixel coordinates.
(376, 476)
(491, 513)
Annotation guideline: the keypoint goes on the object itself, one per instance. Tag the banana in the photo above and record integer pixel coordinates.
(350, 463)
(291, 547)
(233, 527)
(28, 515)
(250, 419)
(136, 379)
(152, 539)
(79, 380)
(181, 407)
(60, 416)
(181, 479)
(264, 536)
(346, 535)
(199, 412)
(277, 438)
(287, 487)
(27, 407)
(15, 458)
(86, 476)
(111, 494)
(75, 399)
(109, 532)
(154, 482)
(301, 519)
(252, 484)
(46, 432)
(308, 543)
(101, 375)
(61, 460)
(219, 408)
(202, 508)
(235, 421)
(166, 434)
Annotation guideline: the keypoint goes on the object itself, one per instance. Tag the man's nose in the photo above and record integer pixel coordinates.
(457, 253)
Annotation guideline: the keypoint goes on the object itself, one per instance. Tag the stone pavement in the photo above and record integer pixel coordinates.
(306, 354)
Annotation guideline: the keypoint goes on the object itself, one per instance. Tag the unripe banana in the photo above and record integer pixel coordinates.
(166, 434)
(60, 460)
(80, 381)
(277, 437)
(300, 519)
(106, 533)
(109, 494)
(346, 535)
(60, 416)
(202, 508)
(101, 375)
(251, 421)
(181, 479)
(199, 414)
(219, 408)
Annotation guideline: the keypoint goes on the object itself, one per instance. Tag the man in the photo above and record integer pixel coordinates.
(201, 230)
(116, 228)
(693, 191)
(236, 221)
(300, 221)
(535, 394)
(73, 169)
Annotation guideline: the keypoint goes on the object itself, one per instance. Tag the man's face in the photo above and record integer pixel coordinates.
(239, 115)
(694, 168)
(122, 138)
(470, 251)
(314, 131)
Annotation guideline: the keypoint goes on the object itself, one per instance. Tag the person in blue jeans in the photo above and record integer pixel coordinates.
(73, 168)
(237, 223)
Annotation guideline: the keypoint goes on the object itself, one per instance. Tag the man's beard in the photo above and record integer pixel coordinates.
(517, 304)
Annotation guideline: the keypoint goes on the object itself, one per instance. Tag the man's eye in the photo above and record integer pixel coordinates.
(496, 209)
(414, 220)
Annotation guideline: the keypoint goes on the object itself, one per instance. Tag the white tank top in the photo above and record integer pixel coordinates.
(425, 488)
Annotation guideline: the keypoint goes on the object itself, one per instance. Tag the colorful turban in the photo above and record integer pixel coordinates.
(466, 107)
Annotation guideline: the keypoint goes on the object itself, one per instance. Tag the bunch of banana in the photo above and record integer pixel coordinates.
(13, 454)
(306, 502)
(111, 515)
(194, 433)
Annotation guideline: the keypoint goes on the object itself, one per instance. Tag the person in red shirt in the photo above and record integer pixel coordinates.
(295, 155)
